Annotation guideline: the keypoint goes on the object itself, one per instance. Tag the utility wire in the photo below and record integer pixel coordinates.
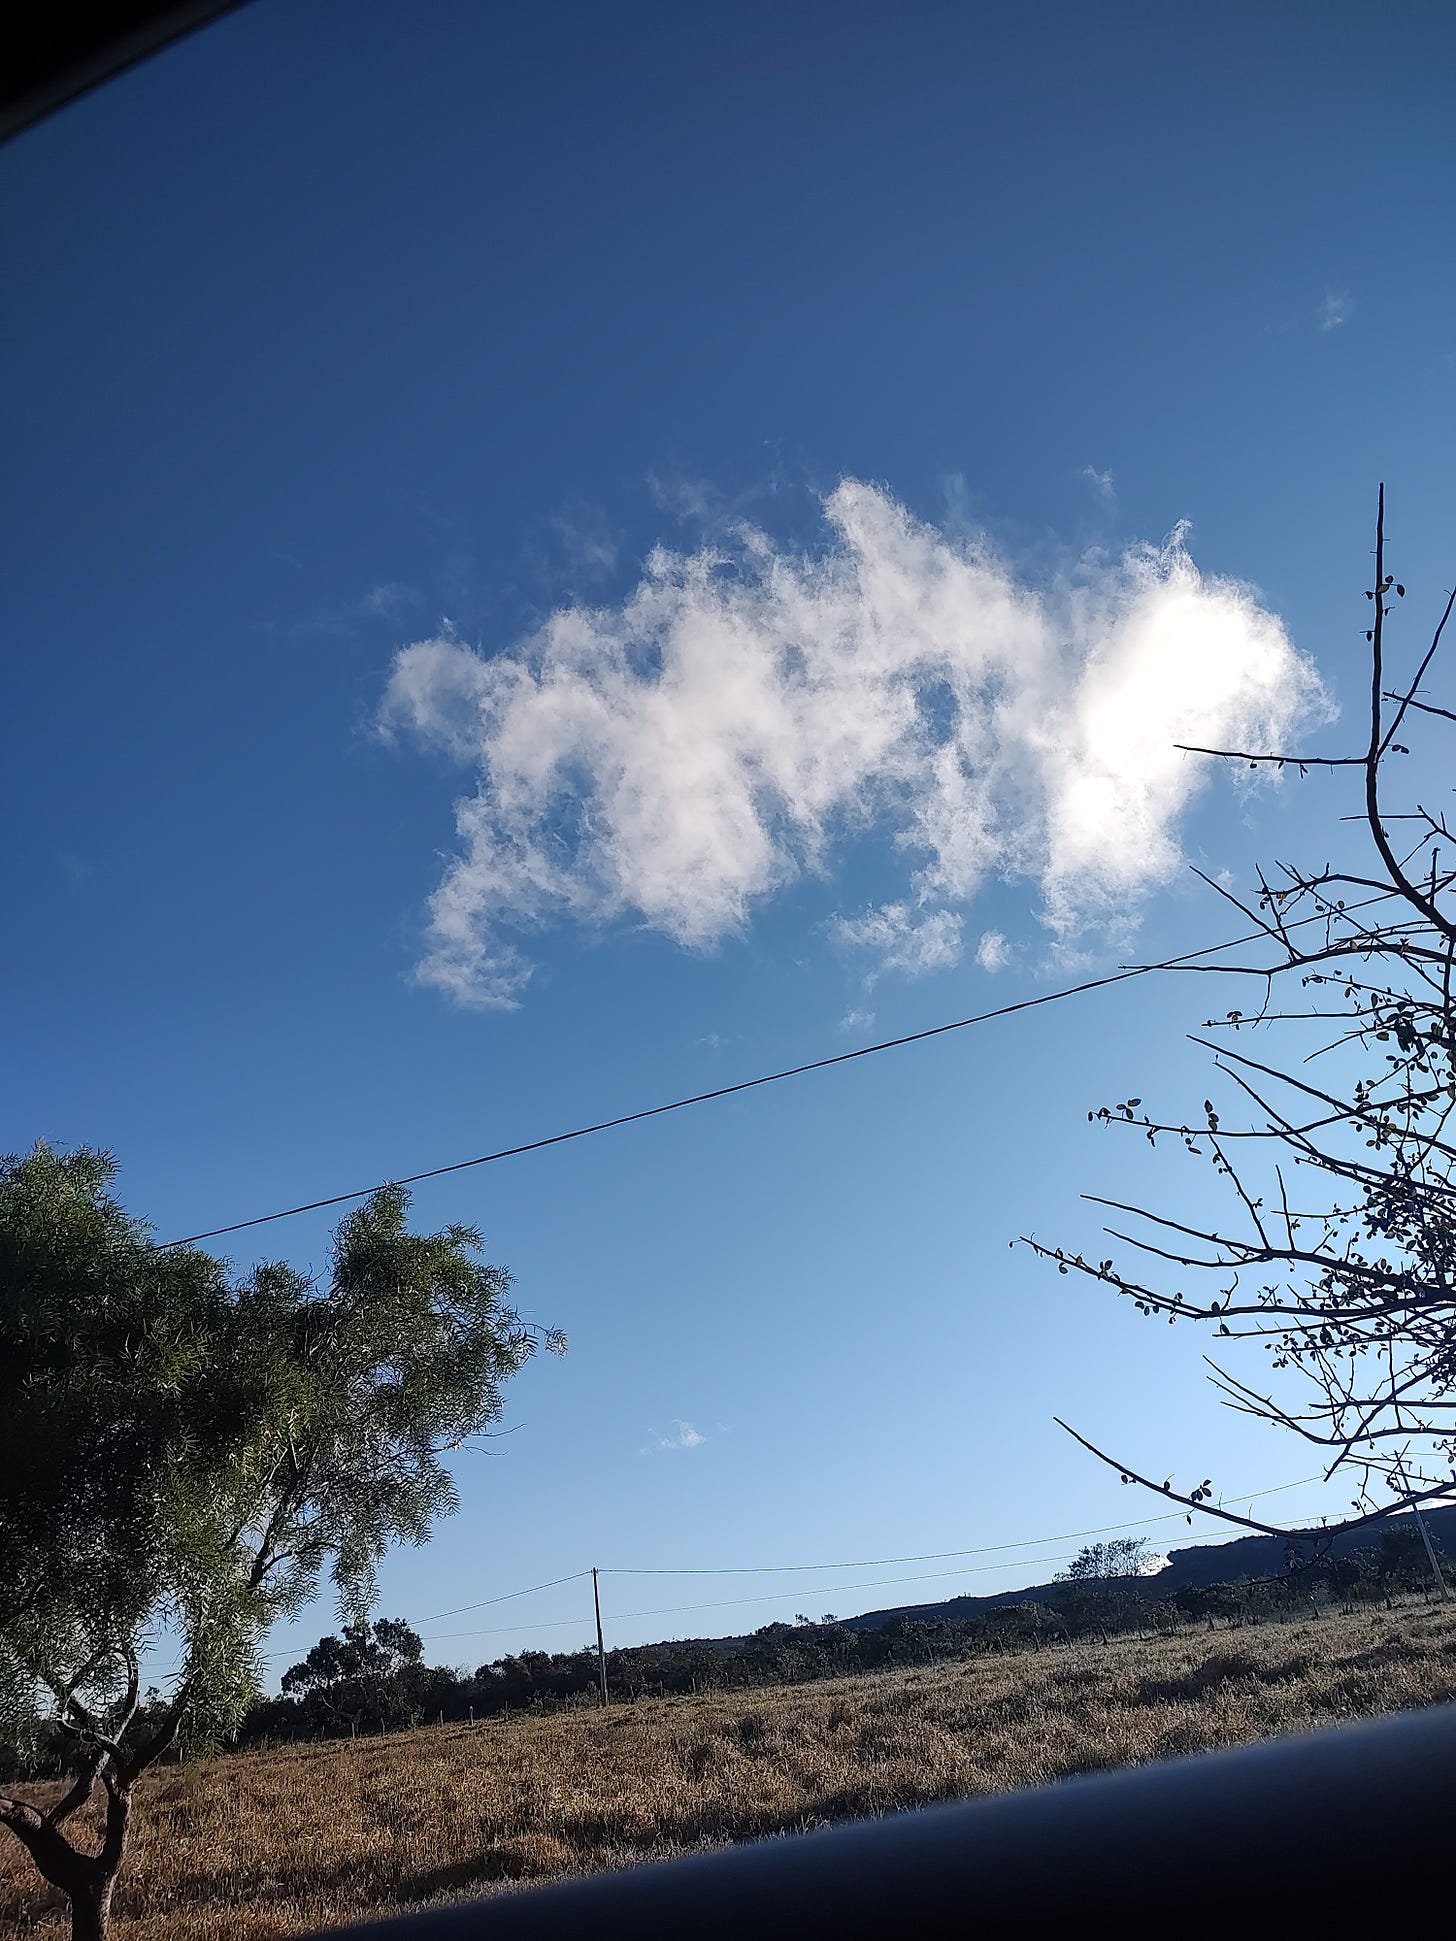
(459, 1609)
(822, 1590)
(934, 1556)
(868, 1563)
(508, 1630)
(750, 1084)
(676, 1105)
(766, 1597)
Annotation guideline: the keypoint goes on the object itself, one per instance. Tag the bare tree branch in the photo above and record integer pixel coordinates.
(1343, 1267)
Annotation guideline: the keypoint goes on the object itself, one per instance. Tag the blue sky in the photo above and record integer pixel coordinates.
(733, 455)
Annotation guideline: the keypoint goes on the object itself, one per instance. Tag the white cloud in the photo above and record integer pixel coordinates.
(857, 1020)
(903, 940)
(1102, 483)
(676, 758)
(993, 953)
(685, 1436)
(1334, 310)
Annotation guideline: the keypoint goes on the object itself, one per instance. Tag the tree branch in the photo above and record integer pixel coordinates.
(1280, 761)
(1414, 896)
(1205, 1508)
(81, 1791)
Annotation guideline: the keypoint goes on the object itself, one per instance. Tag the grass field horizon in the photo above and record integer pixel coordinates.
(281, 1841)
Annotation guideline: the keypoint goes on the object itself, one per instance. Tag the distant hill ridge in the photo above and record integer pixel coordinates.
(1199, 1565)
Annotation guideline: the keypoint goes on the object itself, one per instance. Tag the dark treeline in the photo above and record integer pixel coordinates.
(373, 1680)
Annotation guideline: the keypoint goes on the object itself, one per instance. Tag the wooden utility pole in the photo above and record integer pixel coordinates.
(1436, 1571)
(601, 1647)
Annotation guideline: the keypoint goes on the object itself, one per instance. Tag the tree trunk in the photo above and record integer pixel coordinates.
(88, 1879)
(85, 1879)
(91, 1909)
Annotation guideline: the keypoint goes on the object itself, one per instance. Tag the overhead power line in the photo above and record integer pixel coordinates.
(865, 1563)
(935, 1556)
(831, 1590)
(459, 1610)
(751, 1084)
(675, 1105)
(764, 1597)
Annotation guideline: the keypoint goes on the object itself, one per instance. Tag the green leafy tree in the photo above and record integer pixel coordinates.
(361, 1678)
(1101, 1563)
(180, 1448)
(1102, 1585)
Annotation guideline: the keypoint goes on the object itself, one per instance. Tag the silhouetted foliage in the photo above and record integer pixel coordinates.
(1087, 1606)
(1106, 1562)
(1339, 1258)
(371, 1676)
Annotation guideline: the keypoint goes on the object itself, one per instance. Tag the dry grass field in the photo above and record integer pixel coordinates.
(278, 1843)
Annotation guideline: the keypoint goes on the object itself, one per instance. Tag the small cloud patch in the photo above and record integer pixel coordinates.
(385, 601)
(684, 1436)
(903, 939)
(1333, 311)
(993, 953)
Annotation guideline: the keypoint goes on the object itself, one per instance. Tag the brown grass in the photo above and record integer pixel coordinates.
(277, 1843)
